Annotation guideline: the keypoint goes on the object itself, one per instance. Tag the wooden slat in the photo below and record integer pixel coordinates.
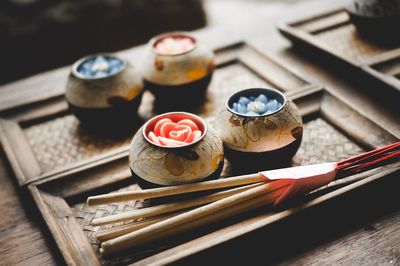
(324, 21)
(20, 232)
(308, 100)
(90, 178)
(270, 70)
(358, 127)
(18, 151)
(61, 222)
(349, 48)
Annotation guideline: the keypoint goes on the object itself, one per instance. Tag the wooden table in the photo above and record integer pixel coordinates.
(362, 227)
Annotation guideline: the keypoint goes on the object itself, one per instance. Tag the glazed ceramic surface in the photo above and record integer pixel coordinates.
(374, 8)
(106, 92)
(263, 133)
(377, 20)
(176, 69)
(176, 165)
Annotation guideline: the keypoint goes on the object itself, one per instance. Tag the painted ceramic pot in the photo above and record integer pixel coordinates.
(177, 74)
(157, 165)
(259, 142)
(108, 94)
(376, 19)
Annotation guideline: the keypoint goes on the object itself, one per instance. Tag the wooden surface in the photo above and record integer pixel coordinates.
(23, 240)
(362, 229)
(333, 33)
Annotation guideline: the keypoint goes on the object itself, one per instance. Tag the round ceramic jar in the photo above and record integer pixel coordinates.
(105, 99)
(376, 19)
(178, 77)
(157, 165)
(260, 141)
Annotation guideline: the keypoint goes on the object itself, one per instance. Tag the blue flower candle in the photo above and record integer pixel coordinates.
(255, 106)
(100, 66)
(102, 89)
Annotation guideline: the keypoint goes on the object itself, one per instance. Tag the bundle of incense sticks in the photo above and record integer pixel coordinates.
(242, 193)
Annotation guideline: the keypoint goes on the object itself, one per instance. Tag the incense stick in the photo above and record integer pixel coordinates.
(368, 160)
(169, 207)
(174, 190)
(191, 219)
(116, 231)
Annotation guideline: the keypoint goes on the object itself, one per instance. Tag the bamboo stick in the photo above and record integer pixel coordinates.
(169, 207)
(174, 190)
(194, 218)
(116, 231)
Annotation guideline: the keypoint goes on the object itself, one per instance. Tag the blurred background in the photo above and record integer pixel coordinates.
(39, 35)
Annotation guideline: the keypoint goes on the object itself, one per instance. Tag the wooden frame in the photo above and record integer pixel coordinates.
(25, 162)
(61, 198)
(332, 33)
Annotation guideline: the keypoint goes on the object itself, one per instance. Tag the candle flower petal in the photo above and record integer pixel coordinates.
(169, 133)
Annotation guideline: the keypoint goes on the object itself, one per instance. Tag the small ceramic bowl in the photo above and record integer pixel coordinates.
(376, 20)
(260, 141)
(157, 165)
(109, 94)
(178, 77)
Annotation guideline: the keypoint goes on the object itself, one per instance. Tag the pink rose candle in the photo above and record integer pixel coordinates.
(174, 44)
(175, 131)
(176, 65)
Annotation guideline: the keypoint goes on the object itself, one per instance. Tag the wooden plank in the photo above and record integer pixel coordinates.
(35, 114)
(383, 58)
(324, 21)
(272, 71)
(18, 151)
(47, 85)
(22, 241)
(359, 128)
(71, 242)
(79, 181)
(346, 47)
(298, 36)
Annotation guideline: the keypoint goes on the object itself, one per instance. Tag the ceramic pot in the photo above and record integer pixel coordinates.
(376, 19)
(260, 141)
(178, 80)
(104, 101)
(158, 165)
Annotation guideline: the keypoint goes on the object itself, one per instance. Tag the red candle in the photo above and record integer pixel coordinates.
(174, 134)
(174, 44)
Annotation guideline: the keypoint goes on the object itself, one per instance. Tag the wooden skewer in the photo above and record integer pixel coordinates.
(177, 223)
(248, 205)
(116, 231)
(169, 207)
(174, 190)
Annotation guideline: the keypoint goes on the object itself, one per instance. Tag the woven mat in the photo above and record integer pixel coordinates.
(345, 39)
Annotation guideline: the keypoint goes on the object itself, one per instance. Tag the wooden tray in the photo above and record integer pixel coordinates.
(333, 33)
(61, 163)
(333, 130)
(43, 140)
